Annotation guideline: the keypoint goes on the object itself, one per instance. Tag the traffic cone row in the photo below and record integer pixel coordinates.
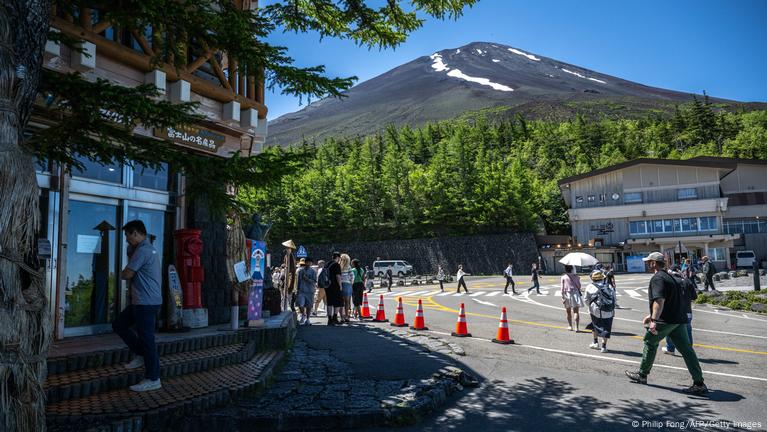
(399, 317)
(461, 327)
(365, 312)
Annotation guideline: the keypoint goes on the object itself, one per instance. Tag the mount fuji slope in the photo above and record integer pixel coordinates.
(478, 76)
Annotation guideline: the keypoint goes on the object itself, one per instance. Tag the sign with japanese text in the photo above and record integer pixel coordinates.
(256, 292)
(193, 136)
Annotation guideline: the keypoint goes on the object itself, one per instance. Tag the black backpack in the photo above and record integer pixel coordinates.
(323, 281)
(604, 299)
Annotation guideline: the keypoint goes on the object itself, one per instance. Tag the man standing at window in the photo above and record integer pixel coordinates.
(668, 317)
(136, 323)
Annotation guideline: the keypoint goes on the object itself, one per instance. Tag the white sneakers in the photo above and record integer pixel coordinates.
(595, 346)
(569, 328)
(147, 385)
(603, 349)
(136, 363)
(666, 351)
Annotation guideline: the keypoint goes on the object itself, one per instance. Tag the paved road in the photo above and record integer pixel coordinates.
(551, 380)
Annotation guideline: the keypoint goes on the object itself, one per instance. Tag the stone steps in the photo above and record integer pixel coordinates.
(87, 382)
(87, 387)
(124, 410)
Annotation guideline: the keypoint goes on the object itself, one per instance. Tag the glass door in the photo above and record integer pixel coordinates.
(91, 271)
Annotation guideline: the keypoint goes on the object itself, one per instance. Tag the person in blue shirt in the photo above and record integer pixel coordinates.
(136, 323)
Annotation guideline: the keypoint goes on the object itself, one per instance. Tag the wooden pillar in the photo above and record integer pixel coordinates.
(251, 87)
(241, 81)
(86, 18)
(233, 74)
(260, 87)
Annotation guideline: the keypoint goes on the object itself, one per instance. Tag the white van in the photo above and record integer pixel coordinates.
(399, 268)
(745, 259)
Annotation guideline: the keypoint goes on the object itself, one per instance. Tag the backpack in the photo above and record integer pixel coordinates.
(604, 299)
(323, 280)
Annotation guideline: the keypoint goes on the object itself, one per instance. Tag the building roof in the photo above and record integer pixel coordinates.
(700, 161)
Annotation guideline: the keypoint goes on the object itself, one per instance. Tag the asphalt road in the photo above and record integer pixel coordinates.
(550, 380)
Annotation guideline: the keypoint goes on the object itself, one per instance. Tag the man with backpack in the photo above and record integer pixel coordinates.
(390, 275)
(600, 296)
(330, 279)
(709, 270)
(667, 318)
(691, 293)
(509, 274)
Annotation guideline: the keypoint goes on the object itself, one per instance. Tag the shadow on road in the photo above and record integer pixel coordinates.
(547, 404)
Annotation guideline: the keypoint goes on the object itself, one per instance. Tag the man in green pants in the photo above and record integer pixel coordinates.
(668, 317)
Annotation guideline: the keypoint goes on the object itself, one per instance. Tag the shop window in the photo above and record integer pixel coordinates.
(638, 227)
(708, 223)
(717, 254)
(687, 193)
(150, 178)
(112, 173)
(686, 225)
(632, 197)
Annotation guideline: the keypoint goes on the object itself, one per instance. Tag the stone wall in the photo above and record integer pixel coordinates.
(216, 289)
(479, 254)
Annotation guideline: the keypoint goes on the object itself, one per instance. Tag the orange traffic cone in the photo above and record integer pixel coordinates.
(503, 330)
(380, 314)
(365, 312)
(399, 317)
(418, 322)
(461, 330)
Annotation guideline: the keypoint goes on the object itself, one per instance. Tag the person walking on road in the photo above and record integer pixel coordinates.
(358, 287)
(691, 292)
(347, 280)
(333, 291)
(509, 274)
(441, 278)
(390, 276)
(307, 281)
(709, 270)
(136, 323)
(572, 297)
(667, 318)
(461, 282)
(536, 285)
(600, 296)
(369, 279)
(320, 293)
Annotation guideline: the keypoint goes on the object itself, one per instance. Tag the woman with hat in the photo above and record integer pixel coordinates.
(600, 297)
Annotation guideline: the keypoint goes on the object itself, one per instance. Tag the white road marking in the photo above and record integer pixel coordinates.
(493, 293)
(485, 303)
(457, 294)
(478, 293)
(443, 294)
(417, 293)
(633, 294)
(620, 360)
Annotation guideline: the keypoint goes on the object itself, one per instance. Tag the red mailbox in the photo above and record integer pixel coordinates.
(188, 251)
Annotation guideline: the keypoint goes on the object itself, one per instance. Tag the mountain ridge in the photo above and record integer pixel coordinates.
(475, 77)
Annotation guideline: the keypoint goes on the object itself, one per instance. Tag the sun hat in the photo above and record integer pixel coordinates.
(289, 244)
(302, 261)
(597, 275)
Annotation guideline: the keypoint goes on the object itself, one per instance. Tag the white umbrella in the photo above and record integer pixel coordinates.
(579, 259)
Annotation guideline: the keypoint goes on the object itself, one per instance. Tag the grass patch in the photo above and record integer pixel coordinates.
(737, 300)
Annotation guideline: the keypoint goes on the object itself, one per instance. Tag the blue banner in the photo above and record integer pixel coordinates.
(256, 292)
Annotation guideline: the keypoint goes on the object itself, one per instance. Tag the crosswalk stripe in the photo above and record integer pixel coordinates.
(633, 294)
(443, 294)
(397, 294)
(493, 293)
(417, 293)
(478, 293)
(558, 293)
(457, 294)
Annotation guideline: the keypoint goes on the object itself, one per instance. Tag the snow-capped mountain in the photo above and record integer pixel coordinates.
(480, 75)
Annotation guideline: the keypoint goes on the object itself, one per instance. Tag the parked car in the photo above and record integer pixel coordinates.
(399, 268)
(745, 259)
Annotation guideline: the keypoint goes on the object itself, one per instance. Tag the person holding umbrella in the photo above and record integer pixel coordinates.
(572, 297)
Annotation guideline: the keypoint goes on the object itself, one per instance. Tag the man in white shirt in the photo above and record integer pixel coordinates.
(509, 274)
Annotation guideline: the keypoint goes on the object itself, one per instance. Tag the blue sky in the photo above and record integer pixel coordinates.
(719, 46)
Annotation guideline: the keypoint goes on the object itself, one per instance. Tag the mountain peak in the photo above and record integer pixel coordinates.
(476, 76)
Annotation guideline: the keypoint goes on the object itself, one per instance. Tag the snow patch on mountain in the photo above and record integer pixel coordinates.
(496, 61)
(479, 51)
(582, 76)
(524, 54)
(437, 63)
(458, 51)
(456, 73)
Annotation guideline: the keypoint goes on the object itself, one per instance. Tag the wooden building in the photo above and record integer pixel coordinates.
(83, 211)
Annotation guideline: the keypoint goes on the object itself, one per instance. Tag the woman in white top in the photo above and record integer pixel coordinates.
(461, 282)
(600, 297)
(572, 297)
(347, 278)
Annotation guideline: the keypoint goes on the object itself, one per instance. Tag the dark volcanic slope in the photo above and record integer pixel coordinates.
(453, 81)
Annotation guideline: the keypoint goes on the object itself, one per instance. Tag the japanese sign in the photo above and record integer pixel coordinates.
(256, 292)
(301, 252)
(193, 136)
(603, 228)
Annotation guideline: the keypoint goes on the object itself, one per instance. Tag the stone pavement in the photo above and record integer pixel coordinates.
(354, 376)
